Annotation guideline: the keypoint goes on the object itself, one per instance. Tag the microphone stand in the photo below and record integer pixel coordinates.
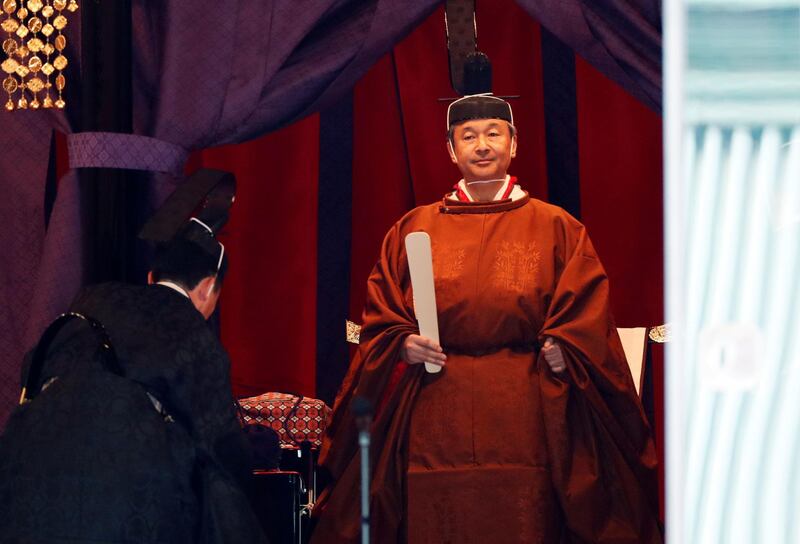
(362, 410)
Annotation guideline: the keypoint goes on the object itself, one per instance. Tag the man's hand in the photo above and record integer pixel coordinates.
(418, 349)
(554, 356)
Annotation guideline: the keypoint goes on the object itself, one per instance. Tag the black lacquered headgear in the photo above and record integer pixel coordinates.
(470, 69)
(196, 211)
(481, 106)
(206, 196)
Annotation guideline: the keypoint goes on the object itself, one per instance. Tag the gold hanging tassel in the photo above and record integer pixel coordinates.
(31, 58)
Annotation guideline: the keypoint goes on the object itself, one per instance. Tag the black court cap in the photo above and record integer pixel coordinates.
(206, 195)
(480, 106)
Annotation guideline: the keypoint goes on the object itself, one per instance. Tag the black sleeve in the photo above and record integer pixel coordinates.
(201, 394)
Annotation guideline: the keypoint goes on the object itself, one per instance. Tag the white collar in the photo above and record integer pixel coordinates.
(516, 192)
(175, 287)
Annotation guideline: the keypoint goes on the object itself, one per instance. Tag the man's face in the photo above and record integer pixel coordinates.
(483, 149)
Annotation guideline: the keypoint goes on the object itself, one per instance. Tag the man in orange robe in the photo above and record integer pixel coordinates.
(532, 431)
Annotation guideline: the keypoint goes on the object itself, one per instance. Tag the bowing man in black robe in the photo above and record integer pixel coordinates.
(155, 454)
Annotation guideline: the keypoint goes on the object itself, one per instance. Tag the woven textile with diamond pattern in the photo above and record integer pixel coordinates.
(294, 418)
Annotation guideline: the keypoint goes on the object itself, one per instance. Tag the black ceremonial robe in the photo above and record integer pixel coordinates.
(92, 459)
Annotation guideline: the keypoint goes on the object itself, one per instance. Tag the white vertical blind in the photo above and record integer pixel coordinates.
(733, 272)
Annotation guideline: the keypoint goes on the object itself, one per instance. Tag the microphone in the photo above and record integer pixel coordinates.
(362, 411)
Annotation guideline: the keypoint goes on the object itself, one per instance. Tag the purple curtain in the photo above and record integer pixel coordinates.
(24, 148)
(621, 38)
(206, 73)
(25, 242)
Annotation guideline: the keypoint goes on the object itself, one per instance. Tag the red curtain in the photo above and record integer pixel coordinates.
(622, 207)
(621, 194)
(268, 303)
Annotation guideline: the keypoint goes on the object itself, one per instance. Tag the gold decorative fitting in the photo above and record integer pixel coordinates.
(10, 85)
(29, 63)
(9, 66)
(659, 334)
(352, 332)
(35, 24)
(10, 25)
(36, 85)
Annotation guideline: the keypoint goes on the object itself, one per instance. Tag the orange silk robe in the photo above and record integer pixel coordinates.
(495, 448)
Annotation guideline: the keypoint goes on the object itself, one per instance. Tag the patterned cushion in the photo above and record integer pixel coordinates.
(303, 418)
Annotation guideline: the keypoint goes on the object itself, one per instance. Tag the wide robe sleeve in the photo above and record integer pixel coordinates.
(377, 374)
(200, 393)
(602, 456)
